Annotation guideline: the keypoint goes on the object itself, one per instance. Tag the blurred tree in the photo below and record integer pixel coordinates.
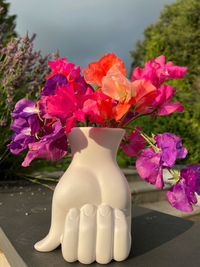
(7, 23)
(176, 35)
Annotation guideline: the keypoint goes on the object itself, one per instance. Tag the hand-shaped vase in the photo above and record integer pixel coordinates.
(91, 207)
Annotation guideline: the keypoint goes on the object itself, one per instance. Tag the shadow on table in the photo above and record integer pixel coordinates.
(153, 229)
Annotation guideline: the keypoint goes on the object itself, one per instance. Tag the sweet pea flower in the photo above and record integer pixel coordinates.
(182, 194)
(99, 107)
(63, 103)
(145, 93)
(158, 71)
(24, 108)
(97, 70)
(150, 163)
(25, 129)
(66, 105)
(196, 167)
(26, 124)
(132, 144)
(60, 65)
(52, 146)
(161, 103)
(61, 68)
(171, 147)
(51, 84)
(117, 86)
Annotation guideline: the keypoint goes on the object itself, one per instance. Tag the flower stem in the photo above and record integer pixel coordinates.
(139, 116)
(147, 138)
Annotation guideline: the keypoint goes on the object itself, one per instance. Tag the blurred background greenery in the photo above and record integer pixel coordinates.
(176, 35)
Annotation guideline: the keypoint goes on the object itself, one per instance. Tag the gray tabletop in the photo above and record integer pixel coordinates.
(159, 240)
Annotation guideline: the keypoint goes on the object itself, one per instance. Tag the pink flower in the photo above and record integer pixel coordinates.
(63, 103)
(66, 105)
(61, 66)
(132, 144)
(162, 101)
(99, 107)
(158, 71)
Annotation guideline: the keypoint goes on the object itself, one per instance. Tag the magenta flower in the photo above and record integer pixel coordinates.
(132, 144)
(52, 146)
(149, 167)
(195, 167)
(150, 164)
(182, 194)
(158, 71)
(162, 101)
(61, 65)
(63, 103)
(73, 75)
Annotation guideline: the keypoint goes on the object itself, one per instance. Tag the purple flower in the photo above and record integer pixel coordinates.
(25, 129)
(149, 167)
(20, 142)
(52, 146)
(150, 164)
(24, 108)
(182, 194)
(72, 73)
(52, 83)
(171, 147)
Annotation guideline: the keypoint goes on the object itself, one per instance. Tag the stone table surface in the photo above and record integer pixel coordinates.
(159, 239)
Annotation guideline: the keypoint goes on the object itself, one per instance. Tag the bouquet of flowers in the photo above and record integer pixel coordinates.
(105, 97)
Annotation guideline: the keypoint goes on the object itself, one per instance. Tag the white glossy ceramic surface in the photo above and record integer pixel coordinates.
(91, 208)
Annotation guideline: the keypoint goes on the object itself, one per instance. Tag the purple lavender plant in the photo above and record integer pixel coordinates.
(22, 75)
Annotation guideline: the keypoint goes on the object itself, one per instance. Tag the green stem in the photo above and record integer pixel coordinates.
(37, 182)
(122, 120)
(139, 116)
(39, 177)
(156, 149)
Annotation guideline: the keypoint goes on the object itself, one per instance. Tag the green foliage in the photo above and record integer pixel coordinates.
(7, 23)
(176, 35)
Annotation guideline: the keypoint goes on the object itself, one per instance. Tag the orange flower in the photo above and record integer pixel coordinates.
(120, 110)
(97, 70)
(145, 93)
(117, 86)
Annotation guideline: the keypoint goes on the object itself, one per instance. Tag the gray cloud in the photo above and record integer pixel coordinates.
(83, 30)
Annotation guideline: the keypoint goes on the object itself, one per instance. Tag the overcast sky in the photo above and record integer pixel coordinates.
(83, 30)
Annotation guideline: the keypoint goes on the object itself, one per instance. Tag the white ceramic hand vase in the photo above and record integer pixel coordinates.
(91, 209)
